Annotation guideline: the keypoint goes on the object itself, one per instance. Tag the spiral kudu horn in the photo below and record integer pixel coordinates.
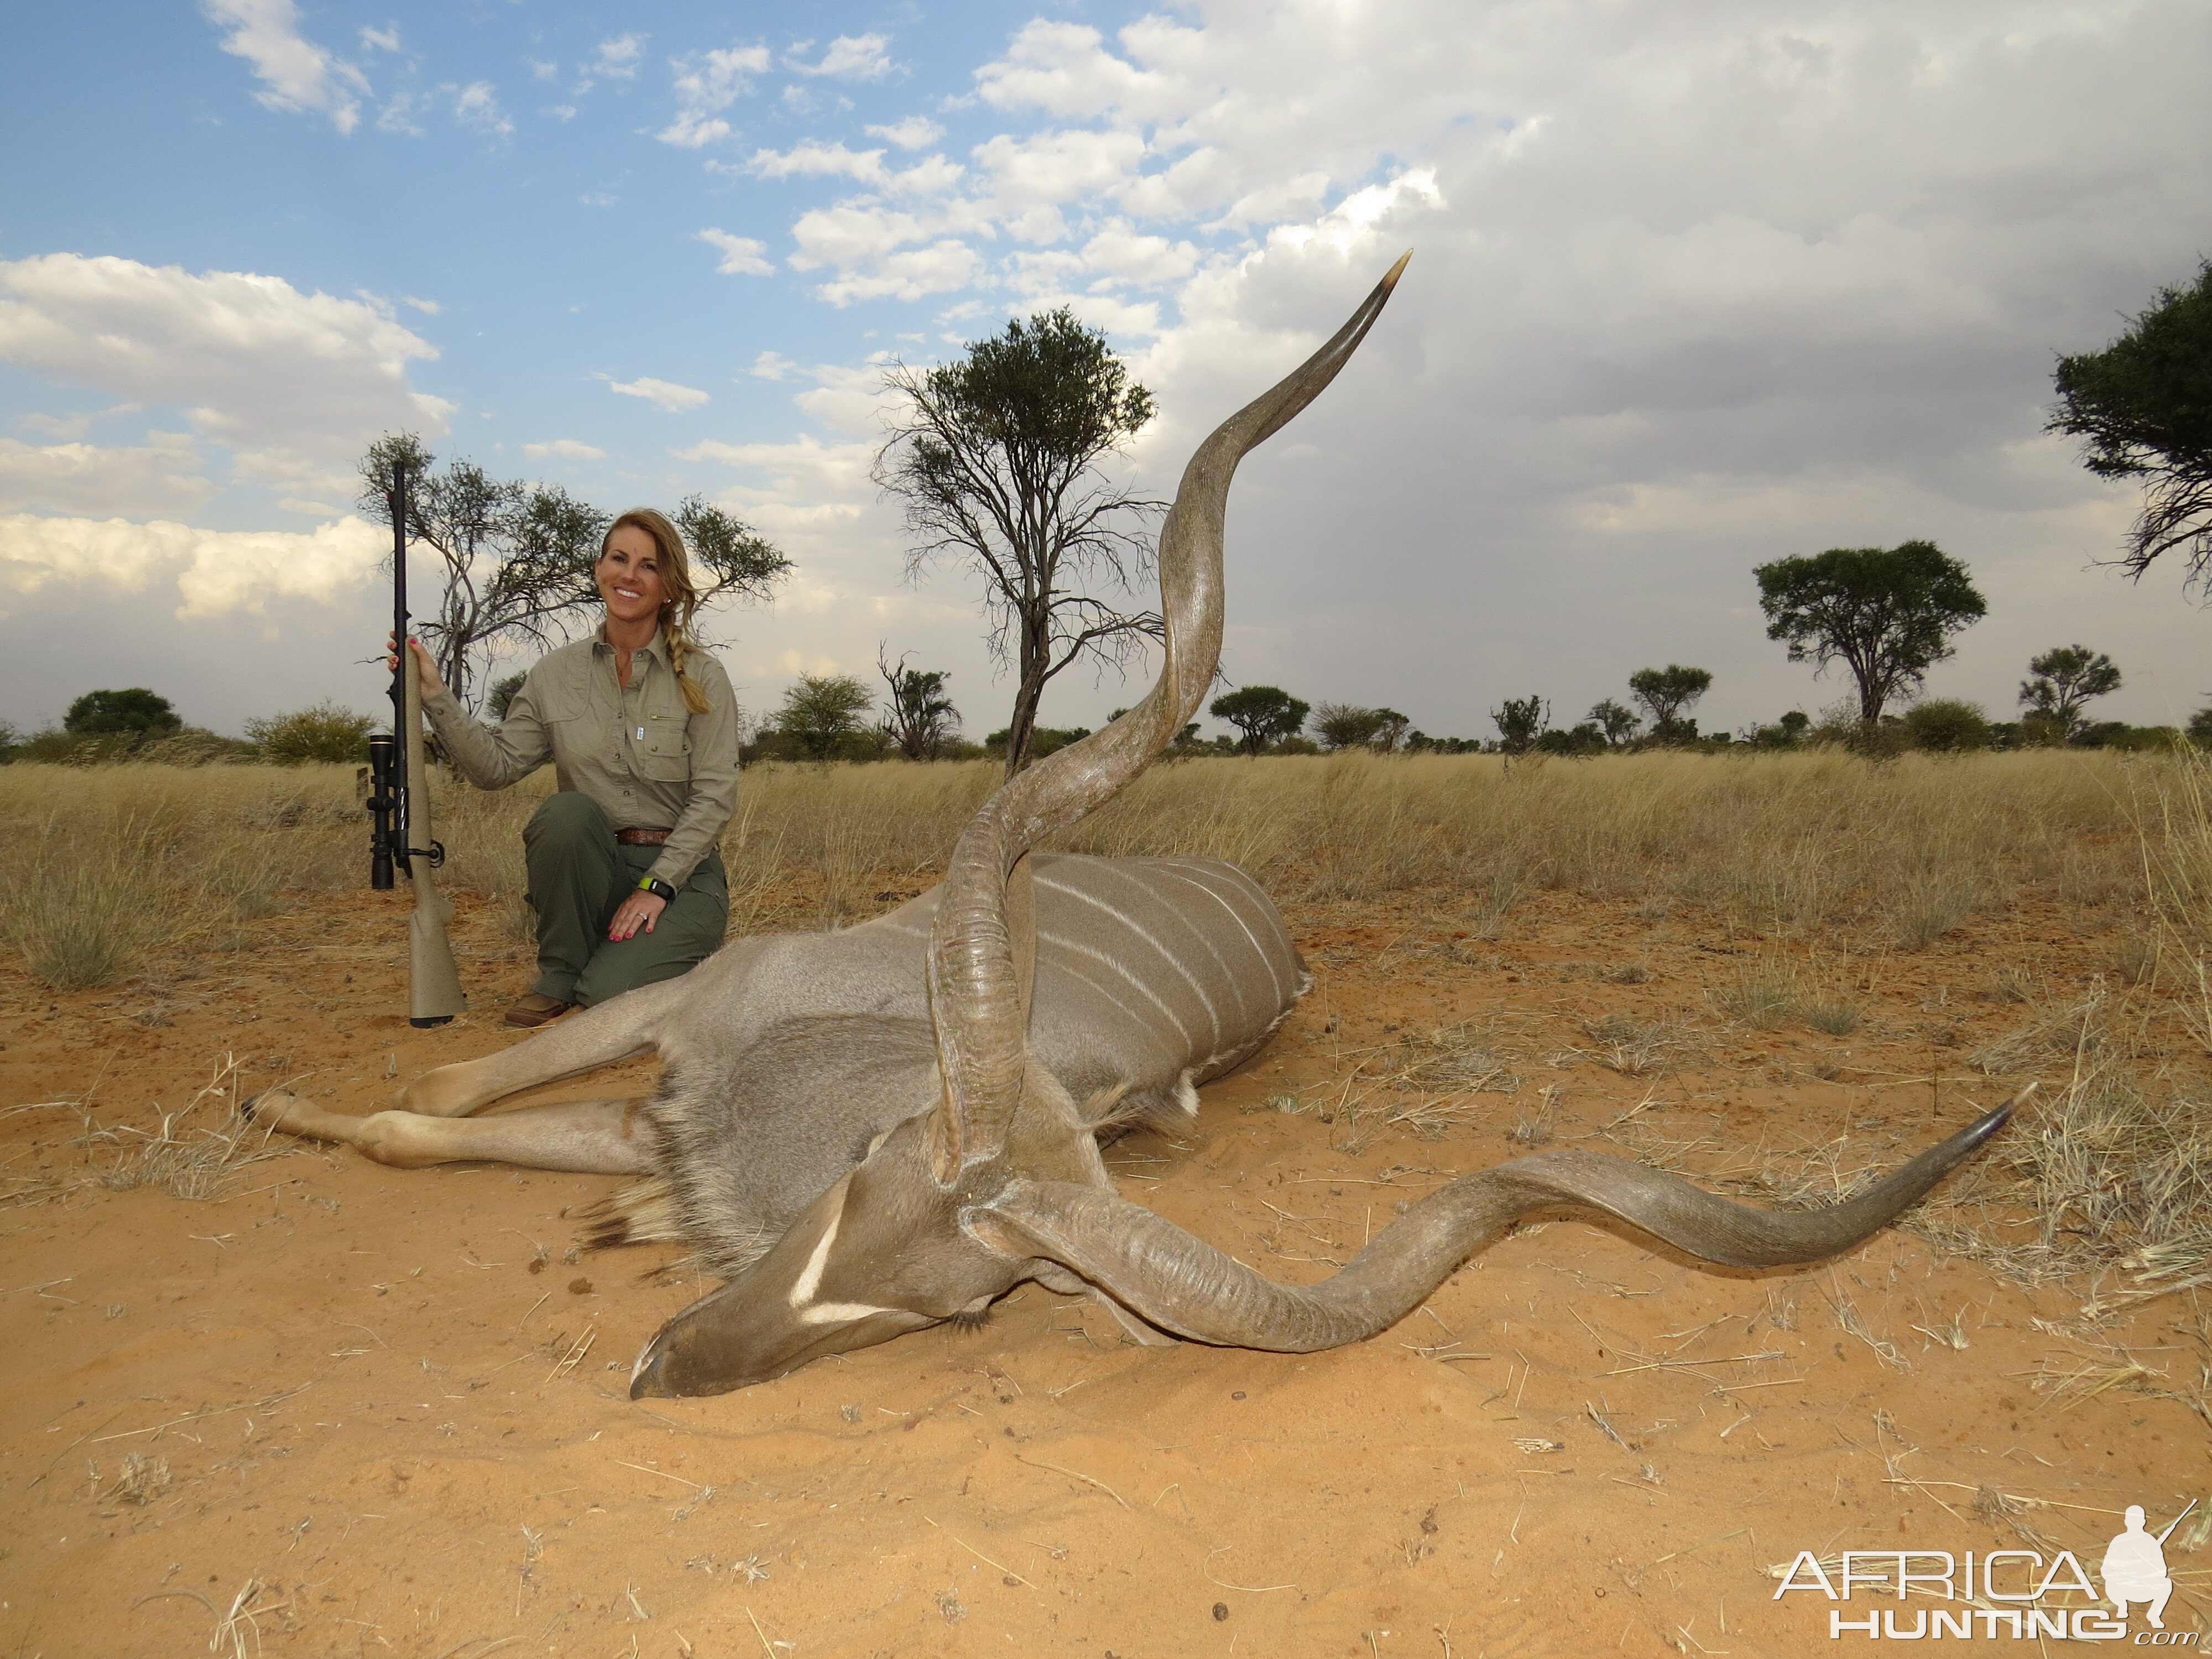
(974, 996)
(1183, 1285)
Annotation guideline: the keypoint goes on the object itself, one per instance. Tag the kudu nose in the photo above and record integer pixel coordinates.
(699, 1352)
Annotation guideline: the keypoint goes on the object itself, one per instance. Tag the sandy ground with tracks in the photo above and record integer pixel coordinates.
(346, 1410)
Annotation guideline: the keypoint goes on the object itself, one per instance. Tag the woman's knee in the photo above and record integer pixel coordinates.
(569, 816)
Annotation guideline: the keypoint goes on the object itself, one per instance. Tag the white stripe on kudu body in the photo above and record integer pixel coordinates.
(1267, 957)
(1148, 890)
(1066, 942)
(1224, 975)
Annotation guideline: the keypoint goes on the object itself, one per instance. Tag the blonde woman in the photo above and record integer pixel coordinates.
(641, 728)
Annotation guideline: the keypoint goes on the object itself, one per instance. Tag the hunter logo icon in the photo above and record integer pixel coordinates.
(2133, 1567)
(2002, 1593)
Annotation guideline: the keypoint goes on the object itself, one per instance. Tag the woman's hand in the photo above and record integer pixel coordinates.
(426, 670)
(640, 909)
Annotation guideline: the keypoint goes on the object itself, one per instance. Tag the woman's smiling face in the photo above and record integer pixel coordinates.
(629, 575)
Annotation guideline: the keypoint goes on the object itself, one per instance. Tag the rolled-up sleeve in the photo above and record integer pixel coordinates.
(489, 758)
(713, 788)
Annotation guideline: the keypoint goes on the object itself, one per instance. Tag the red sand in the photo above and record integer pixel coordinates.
(389, 1409)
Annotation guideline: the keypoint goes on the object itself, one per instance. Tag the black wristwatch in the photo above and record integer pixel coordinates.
(659, 890)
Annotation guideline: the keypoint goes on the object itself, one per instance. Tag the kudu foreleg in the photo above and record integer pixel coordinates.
(583, 1042)
(578, 1137)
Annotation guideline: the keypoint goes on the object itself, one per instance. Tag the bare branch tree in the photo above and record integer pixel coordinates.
(919, 718)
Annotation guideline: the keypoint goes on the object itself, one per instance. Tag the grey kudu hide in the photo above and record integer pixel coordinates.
(877, 1130)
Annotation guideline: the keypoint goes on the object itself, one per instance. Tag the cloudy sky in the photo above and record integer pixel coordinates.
(1696, 285)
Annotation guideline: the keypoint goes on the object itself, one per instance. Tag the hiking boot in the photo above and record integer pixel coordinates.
(532, 1009)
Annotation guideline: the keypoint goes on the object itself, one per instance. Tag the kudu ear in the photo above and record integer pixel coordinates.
(1182, 1284)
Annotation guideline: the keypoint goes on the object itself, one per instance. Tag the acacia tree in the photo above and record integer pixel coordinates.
(135, 710)
(1669, 693)
(1264, 713)
(919, 718)
(2063, 680)
(996, 459)
(821, 711)
(2142, 408)
(1618, 722)
(1520, 722)
(1343, 726)
(518, 557)
(1887, 614)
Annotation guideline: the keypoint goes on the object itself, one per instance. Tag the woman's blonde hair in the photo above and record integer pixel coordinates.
(683, 600)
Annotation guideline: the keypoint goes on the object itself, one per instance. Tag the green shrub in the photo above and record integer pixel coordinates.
(1947, 725)
(61, 748)
(324, 732)
(135, 710)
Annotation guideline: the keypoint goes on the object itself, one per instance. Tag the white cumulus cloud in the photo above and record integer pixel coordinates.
(665, 395)
(848, 57)
(915, 133)
(297, 384)
(295, 74)
(568, 449)
(814, 160)
(617, 58)
(1066, 69)
(161, 476)
(940, 268)
(477, 105)
(707, 84)
(742, 256)
(214, 570)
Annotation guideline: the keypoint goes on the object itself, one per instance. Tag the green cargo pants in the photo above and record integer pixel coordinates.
(579, 874)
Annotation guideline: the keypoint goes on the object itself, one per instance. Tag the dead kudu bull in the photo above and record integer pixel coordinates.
(877, 1130)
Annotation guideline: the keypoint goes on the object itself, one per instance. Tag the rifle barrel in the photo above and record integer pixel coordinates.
(2176, 1522)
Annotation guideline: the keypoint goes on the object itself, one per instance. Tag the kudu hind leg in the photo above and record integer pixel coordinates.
(583, 1042)
(579, 1137)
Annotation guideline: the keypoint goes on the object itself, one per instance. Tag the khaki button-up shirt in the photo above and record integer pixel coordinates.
(645, 758)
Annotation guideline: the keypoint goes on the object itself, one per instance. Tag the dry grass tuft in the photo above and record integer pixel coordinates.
(237, 1632)
(138, 1480)
(2071, 1031)
(1996, 1506)
(1836, 1018)
(1635, 1047)
(2094, 1178)
(1764, 995)
(201, 1151)
(1465, 1058)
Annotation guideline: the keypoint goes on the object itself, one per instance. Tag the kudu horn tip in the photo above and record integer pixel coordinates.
(1982, 1130)
(1390, 277)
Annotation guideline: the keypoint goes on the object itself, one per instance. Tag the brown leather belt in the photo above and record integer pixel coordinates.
(642, 837)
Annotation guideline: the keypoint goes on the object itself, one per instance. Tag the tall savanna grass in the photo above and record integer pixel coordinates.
(116, 865)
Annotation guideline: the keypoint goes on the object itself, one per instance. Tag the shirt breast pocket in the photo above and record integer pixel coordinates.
(664, 754)
(561, 711)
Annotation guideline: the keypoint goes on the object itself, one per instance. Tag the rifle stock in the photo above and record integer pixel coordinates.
(434, 983)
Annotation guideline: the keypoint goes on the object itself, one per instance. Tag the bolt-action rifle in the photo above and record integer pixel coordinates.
(399, 809)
